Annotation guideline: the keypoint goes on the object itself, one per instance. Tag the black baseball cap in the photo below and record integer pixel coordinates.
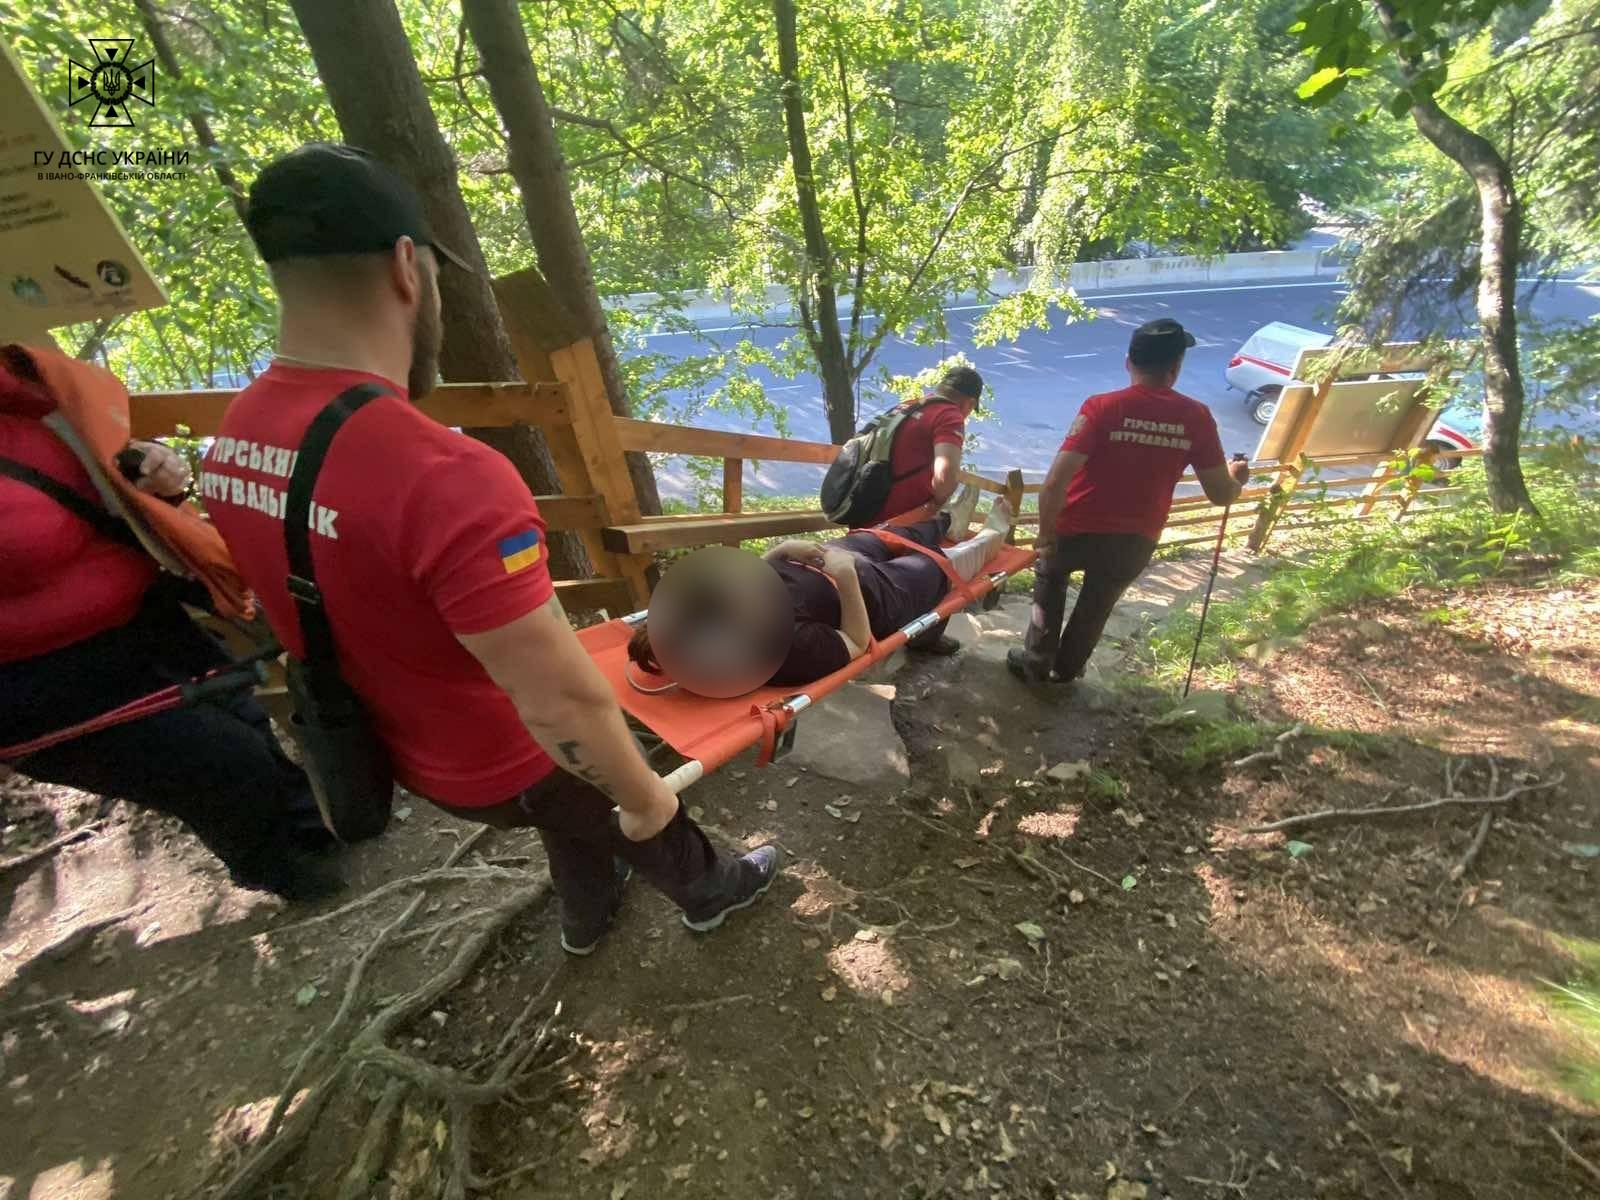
(1158, 343)
(329, 198)
(965, 380)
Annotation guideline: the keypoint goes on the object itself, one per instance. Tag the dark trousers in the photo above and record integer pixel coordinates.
(578, 825)
(1110, 562)
(216, 765)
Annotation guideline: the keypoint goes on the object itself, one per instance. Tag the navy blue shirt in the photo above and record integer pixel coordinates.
(897, 586)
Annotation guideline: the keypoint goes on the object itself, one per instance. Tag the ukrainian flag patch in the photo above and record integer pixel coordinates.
(519, 551)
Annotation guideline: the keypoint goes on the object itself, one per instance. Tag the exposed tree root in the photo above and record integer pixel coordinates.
(1332, 816)
(73, 938)
(336, 1058)
(374, 1147)
(1471, 856)
(50, 847)
(1594, 1171)
(1275, 752)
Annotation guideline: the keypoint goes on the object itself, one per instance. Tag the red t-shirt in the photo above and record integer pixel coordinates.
(60, 580)
(419, 533)
(1138, 442)
(940, 423)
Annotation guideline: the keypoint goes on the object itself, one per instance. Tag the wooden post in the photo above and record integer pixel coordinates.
(578, 367)
(1013, 496)
(1424, 458)
(1291, 454)
(587, 454)
(733, 489)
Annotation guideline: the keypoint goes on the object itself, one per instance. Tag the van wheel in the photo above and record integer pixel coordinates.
(1263, 404)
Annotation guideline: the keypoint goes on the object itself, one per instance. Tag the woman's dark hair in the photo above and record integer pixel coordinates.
(640, 652)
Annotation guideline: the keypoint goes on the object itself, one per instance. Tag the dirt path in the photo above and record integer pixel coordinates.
(1000, 984)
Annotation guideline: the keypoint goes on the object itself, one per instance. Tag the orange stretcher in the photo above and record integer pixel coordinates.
(710, 733)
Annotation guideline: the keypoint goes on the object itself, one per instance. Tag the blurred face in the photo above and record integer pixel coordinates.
(427, 329)
(721, 622)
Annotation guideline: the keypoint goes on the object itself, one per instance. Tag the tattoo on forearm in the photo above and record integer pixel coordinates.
(575, 765)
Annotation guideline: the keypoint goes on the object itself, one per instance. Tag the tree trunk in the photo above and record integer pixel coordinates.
(540, 170)
(157, 33)
(1499, 255)
(1038, 172)
(366, 64)
(817, 283)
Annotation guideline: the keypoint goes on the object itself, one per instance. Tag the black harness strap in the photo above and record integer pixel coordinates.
(303, 590)
(103, 522)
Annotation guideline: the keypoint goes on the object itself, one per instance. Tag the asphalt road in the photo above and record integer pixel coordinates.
(1039, 381)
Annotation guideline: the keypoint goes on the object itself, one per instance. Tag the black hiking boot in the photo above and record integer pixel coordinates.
(1026, 668)
(747, 880)
(296, 877)
(942, 646)
(579, 937)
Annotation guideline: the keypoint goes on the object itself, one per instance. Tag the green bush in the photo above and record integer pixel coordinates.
(1579, 1002)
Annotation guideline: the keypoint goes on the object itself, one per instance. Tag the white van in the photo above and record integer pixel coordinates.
(1262, 367)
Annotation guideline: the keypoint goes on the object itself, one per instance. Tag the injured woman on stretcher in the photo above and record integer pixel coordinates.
(724, 622)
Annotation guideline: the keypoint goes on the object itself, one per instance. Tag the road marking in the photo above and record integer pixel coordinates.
(1090, 299)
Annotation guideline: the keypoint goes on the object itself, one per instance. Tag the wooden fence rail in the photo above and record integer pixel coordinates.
(566, 402)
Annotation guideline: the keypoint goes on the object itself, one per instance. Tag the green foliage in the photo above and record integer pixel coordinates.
(1455, 546)
(1106, 786)
(1205, 744)
(951, 138)
(1526, 75)
(1578, 1001)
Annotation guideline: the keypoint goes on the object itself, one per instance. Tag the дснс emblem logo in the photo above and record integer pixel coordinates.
(112, 81)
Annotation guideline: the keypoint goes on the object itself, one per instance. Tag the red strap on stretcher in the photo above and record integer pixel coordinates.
(895, 540)
(774, 720)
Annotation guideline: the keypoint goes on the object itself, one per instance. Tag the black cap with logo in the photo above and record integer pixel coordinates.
(326, 198)
(1158, 343)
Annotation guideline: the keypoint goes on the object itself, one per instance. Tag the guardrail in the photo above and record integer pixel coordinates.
(775, 302)
(567, 403)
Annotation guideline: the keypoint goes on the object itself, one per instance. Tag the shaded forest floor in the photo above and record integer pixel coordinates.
(1079, 982)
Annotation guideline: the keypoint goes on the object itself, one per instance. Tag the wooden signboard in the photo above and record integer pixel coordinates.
(1361, 401)
(64, 257)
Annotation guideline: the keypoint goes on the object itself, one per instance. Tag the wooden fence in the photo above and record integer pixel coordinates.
(565, 399)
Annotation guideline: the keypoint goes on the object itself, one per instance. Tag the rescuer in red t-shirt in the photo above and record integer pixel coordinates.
(89, 623)
(431, 559)
(1116, 470)
(925, 460)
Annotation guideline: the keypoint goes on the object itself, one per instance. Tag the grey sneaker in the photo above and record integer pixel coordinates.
(1022, 664)
(753, 874)
(579, 938)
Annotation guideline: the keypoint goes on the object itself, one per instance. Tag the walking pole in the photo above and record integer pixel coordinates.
(1205, 606)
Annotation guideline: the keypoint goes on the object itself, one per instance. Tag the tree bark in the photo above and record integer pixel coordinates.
(157, 33)
(1499, 254)
(366, 64)
(540, 170)
(819, 288)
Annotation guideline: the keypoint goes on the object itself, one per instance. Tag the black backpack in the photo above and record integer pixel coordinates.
(860, 479)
